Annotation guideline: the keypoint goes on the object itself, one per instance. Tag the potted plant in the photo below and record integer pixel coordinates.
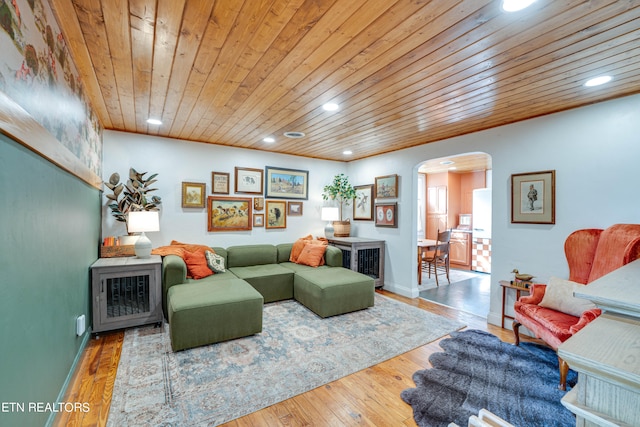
(134, 194)
(341, 190)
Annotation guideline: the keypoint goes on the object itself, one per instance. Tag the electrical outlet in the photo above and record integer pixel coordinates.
(80, 325)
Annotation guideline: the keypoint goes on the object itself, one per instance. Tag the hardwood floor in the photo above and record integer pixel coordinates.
(370, 397)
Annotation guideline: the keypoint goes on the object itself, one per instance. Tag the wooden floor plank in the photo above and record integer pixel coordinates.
(366, 398)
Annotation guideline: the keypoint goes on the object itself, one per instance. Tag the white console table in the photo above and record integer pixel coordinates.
(606, 353)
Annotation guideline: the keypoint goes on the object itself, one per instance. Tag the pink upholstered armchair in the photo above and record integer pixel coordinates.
(591, 253)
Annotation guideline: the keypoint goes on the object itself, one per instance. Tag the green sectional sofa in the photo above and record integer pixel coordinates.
(228, 305)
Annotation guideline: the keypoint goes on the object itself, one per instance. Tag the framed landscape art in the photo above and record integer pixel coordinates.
(193, 194)
(533, 197)
(363, 204)
(294, 208)
(386, 187)
(229, 213)
(287, 183)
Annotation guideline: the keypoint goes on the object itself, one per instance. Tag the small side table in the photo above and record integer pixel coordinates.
(507, 285)
(126, 291)
(363, 255)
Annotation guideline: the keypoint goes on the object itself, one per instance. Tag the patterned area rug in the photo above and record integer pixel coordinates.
(477, 370)
(297, 351)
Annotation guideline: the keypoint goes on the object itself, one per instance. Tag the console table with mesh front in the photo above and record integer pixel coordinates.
(363, 255)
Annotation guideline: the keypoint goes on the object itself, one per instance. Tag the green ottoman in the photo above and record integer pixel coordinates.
(210, 312)
(331, 291)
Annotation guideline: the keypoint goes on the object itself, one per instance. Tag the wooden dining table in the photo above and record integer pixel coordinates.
(424, 245)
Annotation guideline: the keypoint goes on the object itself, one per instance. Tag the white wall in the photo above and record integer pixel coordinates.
(176, 161)
(595, 152)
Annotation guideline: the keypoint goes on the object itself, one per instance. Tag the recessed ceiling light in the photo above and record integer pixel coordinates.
(294, 135)
(269, 139)
(516, 5)
(598, 81)
(347, 152)
(331, 106)
(154, 121)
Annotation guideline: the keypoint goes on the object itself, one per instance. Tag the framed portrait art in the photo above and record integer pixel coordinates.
(229, 213)
(287, 183)
(386, 215)
(193, 194)
(249, 180)
(386, 187)
(219, 183)
(276, 214)
(533, 197)
(363, 203)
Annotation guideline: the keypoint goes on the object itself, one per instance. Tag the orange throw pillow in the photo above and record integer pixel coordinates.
(196, 265)
(320, 241)
(312, 255)
(298, 246)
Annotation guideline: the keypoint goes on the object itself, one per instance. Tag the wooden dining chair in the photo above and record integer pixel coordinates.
(439, 258)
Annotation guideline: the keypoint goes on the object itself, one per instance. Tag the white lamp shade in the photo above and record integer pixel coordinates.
(142, 221)
(330, 214)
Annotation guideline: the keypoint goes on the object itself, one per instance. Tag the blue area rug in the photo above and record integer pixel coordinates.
(477, 370)
(297, 351)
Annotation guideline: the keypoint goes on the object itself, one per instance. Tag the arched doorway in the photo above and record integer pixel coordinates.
(454, 193)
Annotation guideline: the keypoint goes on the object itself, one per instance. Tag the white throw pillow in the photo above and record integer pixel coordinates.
(559, 296)
(215, 262)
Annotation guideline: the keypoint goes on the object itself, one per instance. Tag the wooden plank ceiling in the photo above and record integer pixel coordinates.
(405, 72)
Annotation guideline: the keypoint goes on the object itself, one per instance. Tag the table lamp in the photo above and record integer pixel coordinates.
(330, 214)
(139, 222)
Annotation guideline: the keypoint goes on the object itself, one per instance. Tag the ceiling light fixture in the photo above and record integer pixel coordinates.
(294, 135)
(331, 106)
(269, 139)
(154, 121)
(347, 152)
(516, 5)
(597, 81)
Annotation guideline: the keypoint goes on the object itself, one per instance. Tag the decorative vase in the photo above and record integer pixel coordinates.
(342, 228)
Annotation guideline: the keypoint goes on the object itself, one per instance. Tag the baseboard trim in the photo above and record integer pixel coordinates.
(67, 381)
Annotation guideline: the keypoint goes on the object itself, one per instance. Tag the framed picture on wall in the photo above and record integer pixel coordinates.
(533, 197)
(386, 215)
(249, 180)
(386, 187)
(276, 214)
(258, 203)
(258, 220)
(363, 203)
(219, 183)
(287, 183)
(229, 213)
(193, 194)
(294, 208)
